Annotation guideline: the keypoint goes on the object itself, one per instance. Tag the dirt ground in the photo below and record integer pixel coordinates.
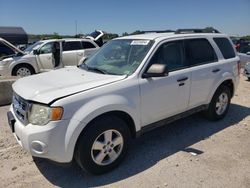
(192, 152)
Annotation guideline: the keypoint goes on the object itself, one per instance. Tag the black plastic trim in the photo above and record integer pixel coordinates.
(168, 120)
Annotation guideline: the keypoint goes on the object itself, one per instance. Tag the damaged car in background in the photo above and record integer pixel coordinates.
(38, 57)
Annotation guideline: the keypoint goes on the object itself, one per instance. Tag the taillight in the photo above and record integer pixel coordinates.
(238, 66)
(237, 47)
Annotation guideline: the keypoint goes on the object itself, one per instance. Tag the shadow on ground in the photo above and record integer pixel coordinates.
(145, 151)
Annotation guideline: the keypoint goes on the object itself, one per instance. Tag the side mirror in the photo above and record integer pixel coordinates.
(248, 53)
(156, 70)
(35, 52)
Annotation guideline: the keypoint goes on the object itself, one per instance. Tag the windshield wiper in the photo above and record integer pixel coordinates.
(95, 69)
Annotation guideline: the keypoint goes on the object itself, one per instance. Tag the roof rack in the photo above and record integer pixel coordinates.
(206, 30)
(158, 31)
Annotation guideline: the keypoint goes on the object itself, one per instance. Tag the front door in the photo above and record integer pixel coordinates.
(166, 96)
(45, 59)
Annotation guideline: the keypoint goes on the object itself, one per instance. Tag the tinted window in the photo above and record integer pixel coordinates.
(74, 45)
(87, 45)
(225, 47)
(199, 51)
(171, 54)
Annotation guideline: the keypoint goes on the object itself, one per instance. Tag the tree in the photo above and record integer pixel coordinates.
(56, 36)
(125, 34)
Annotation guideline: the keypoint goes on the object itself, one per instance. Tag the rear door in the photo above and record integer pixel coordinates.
(70, 51)
(205, 69)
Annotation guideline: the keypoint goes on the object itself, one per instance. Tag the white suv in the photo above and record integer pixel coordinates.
(131, 85)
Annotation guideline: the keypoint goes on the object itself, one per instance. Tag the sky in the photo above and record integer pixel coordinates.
(116, 16)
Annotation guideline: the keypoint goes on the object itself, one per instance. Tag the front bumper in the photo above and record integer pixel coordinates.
(246, 73)
(46, 141)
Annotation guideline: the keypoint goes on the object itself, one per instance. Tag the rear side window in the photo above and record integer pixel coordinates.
(225, 47)
(199, 51)
(73, 45)
(87, 45)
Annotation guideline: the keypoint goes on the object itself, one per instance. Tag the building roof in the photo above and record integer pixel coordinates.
(15, 35)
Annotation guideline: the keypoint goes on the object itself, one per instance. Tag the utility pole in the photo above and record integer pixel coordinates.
(76, 26)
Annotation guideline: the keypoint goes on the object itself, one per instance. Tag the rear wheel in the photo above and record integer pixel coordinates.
(23, 70)
(219, 104)
(103, 145)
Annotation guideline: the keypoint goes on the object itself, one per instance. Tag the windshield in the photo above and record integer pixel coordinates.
(118, 57)
(33, 46)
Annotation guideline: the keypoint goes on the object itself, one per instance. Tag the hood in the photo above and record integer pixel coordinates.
(6, 43)
(47, 87)
(16, 57)
(96, 35)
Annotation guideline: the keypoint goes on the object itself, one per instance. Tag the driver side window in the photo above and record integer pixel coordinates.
(47, 48)
(170, 54)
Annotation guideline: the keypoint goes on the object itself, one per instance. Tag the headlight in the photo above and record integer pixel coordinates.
(3, 63)
(6, 61)
(41, 115)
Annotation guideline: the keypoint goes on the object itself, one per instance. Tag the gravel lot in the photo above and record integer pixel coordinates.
(192, 152)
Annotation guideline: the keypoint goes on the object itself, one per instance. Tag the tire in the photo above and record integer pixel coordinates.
(23, 70)
(97, 154)
(219, 104)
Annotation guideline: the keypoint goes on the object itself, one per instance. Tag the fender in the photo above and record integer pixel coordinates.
(24, 60)
(93, 109)
(225, 76)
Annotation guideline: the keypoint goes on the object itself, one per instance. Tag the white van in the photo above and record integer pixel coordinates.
(38, 57)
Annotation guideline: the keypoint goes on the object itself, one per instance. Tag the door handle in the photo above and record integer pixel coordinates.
(182, 79)
(80, 54)
(215, 70)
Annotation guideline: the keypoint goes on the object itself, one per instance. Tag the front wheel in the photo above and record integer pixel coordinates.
(23, 70)
(219, 104)
(103, 145)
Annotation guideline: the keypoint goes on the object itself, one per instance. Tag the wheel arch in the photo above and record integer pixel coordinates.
(22, 64)
(229, 82)
(120, 114)
(76, 127)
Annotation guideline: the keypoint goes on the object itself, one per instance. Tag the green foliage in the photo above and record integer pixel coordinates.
(133, 33)
(109, 36)
(208, 29)
(125, 34)
(56, 36)
(246, 37)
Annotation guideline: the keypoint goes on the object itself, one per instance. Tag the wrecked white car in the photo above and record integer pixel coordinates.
(46, 55)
